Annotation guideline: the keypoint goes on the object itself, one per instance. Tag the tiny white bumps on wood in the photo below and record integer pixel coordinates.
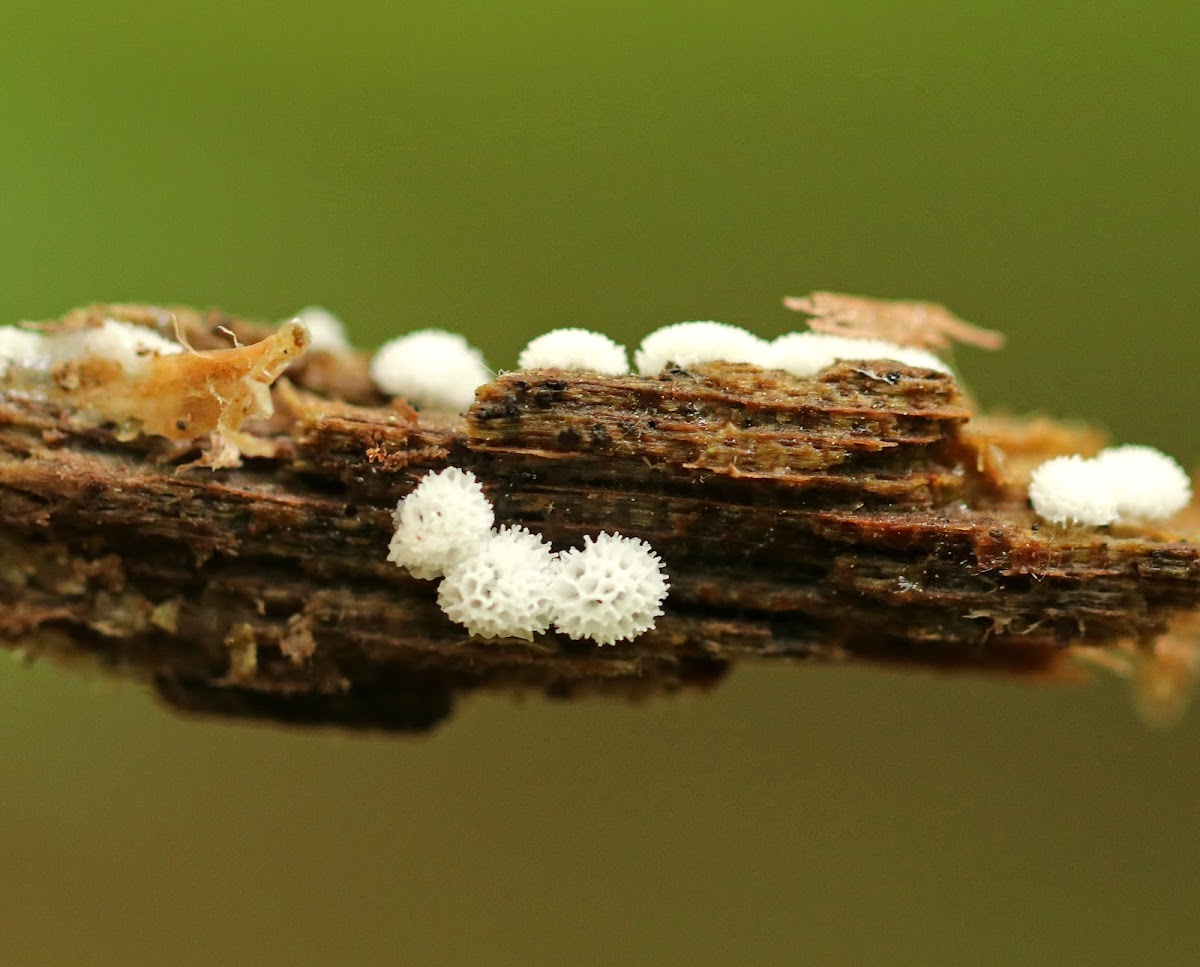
(1121, 484)
(612, 589)
(1071, 490)
(1147, 483)
(807, 353)
(431, 368)
(575, 349)
(508, 583)
(443, 521)
(688, 344)
(502, 590)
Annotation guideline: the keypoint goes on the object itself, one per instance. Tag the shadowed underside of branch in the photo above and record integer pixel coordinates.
(859, 514)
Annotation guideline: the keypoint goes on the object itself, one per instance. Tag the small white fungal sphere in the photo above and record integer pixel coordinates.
(131, 346)
(1071, 490)
(503, 589)
(327, 331)
(1126, 484)
(432, 368)
(1148, 484)
(609, 590)
(691, 343)
(21, 347)
(444, 520)
(579, 349)
(807, 353)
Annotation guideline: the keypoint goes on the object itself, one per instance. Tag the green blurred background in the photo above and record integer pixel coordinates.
(504, 168)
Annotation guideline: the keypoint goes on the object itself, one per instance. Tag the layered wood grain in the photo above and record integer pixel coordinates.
(860, 514)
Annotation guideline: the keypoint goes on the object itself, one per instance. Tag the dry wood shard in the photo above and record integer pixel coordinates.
(861, 514)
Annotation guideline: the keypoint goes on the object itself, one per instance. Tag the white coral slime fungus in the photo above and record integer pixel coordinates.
(327, 330)
(807, 353)
(1147, 484)
(691, 343)
(443, 521)
(503, 589)
(129, 345)
(1071, 490)
(575, 349)
(432, 368)
(1125, 484)
(609, 590)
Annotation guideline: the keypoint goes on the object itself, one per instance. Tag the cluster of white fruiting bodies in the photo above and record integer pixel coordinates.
(431, 368)
(439, 370)
(688, 344)
(799, 353)
(508, 583)
(1122, 485)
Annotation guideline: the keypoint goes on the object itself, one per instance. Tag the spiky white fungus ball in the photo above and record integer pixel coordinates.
(1071, 490)
(807, 353)
(691, 343)
(609, 590)
(575, 349)
(503, 589)
(444, 520)
(431, 368)
(20, 347)
(129, 345)
(327, 331)
(1147, 484)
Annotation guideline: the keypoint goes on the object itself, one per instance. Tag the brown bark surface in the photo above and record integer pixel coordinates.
(859, 514)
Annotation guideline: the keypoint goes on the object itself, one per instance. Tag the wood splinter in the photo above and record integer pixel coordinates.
(864, 514)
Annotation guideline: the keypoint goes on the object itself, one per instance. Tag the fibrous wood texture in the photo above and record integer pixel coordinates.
(859, 514)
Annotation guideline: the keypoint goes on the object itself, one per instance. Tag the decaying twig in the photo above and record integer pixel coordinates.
(860, 514)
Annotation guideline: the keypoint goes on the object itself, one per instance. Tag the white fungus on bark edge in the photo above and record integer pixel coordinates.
(1071, 490)
(1147, 484)
(431, 368)
(575, 349)
(688, 344)
(805, 354)
(1120, 485)
(502, 590)
(444, 520)
(610, 590)
(508, 583)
